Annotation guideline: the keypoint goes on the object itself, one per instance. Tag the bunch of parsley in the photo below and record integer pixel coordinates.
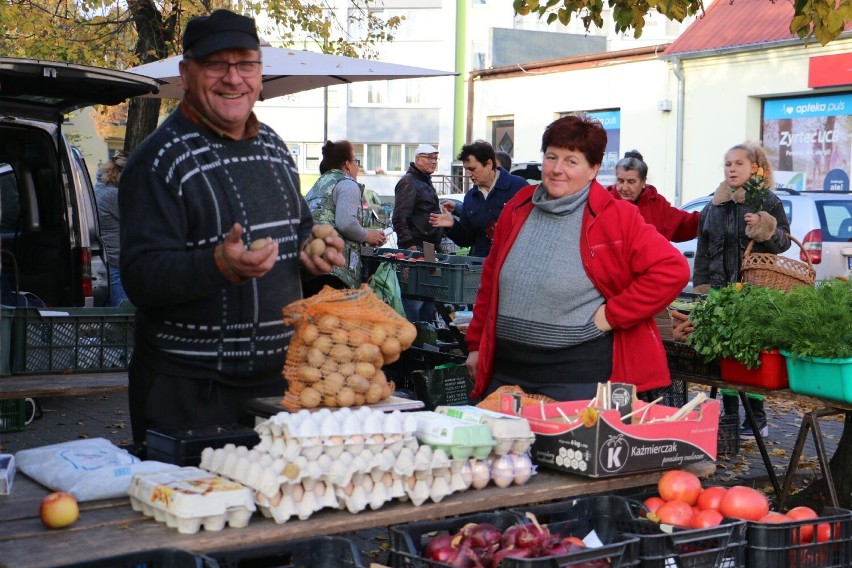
(737, 322)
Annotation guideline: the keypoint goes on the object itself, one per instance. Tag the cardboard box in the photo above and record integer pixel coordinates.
(599, 444)
(7, 473)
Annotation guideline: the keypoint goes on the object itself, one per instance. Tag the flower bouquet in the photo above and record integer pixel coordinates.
(756, 188)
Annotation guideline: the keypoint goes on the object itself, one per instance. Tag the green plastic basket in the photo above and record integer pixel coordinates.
(816, 376)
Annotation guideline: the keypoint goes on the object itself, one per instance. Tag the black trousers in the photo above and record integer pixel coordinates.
(174, 402)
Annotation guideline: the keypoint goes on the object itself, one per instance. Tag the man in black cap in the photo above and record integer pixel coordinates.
(212, 237)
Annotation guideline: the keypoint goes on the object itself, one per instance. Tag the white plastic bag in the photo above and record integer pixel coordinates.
(87, 469)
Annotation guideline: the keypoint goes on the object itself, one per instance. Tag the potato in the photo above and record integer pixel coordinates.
(341, 353)
(315, 357)
(386, 390)
(322, 231)
(346, 369)
(328, 323)
(310, 398)
(329, 400)
(323, 343)
(340, 335)
(365, 369)
(374, 394)
(388, 359)
(358, 383)
(308, 333)
(391, 347)
(315, 248)
(367, 352)
(379, 377)
(309, 374)
(359, 401)
(358, 337)
(328, 366)
(332, 383)
(378, 334)
(346, 397)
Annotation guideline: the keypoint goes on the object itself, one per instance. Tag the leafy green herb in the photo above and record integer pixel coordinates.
(817, 321)
(737, 322)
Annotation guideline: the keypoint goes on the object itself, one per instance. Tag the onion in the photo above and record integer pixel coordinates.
(509, 553)
(482, 535)
(440, 548)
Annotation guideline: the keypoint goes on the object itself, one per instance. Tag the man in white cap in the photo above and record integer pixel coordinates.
(416, 199)
(212, 241)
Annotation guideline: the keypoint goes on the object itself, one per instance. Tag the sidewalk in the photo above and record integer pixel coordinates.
(107, 416)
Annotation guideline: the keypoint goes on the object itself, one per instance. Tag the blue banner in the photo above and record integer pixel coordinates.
(808, 107)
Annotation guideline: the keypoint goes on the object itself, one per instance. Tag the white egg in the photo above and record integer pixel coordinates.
(523, 468)
(503, 470)
(480, 474)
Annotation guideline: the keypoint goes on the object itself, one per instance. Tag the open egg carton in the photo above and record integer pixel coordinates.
(189, 498)
(512, 434)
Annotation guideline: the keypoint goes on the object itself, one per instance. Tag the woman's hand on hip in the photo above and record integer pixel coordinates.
(471, 363)
(599, 319)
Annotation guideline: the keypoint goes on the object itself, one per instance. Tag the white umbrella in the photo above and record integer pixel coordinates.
(287, 71)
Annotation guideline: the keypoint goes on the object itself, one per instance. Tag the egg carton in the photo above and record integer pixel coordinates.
(512, 434)
(458, 438)
(189, 498)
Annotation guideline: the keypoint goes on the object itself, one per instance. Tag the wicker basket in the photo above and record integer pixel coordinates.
(774, 271)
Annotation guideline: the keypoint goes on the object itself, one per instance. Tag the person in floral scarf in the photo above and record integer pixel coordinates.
(743, 208)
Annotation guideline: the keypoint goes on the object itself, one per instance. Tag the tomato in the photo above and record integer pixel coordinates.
(675, 513)
(806, 532)
(653, 503)
(744, 503)
(706, 519)
(576, 541)
(823, 532)
(677, 485)
(710, 498)
(399, 255)
(774, 518)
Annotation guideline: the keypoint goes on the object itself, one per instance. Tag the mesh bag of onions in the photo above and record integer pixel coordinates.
(341, 340)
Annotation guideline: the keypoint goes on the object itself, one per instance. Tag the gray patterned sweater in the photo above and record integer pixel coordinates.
(181, 191)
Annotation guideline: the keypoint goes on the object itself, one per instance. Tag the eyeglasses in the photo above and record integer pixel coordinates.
(357, 161)
(217, 69)
(428, 158)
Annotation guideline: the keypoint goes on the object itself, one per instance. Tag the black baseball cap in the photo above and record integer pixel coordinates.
(220, 30)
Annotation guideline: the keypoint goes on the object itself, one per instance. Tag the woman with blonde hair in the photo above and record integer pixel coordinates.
(744, 208)
(106, 197)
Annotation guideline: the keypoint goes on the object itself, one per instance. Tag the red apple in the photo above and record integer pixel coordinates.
(58, 510)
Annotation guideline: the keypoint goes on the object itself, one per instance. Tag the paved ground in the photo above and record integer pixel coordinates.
(107, 416)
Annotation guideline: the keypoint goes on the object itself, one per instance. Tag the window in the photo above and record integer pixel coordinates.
(376, 91)
(313, 155)
(374, 157)
(394, 161)
(503, 135)
(409, 155)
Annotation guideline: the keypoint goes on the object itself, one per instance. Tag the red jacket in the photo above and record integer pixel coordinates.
(634, 267)
(675, 224)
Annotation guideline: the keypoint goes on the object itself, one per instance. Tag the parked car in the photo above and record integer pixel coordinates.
(49, 219)
(530, 171)
(822, 221)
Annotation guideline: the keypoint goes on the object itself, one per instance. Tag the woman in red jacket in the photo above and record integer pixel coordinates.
(631, 175)
(573, 281)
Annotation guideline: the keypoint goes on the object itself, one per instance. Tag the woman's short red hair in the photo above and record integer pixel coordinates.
(577, 132)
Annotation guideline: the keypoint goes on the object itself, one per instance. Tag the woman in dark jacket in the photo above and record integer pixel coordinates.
(492, 187)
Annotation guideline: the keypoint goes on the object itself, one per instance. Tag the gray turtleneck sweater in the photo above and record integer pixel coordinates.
(546, 299)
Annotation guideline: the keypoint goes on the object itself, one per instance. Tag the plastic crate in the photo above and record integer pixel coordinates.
(319, 552)
(156, 558)
(446, 386)
(772, 373)
(728, 441)
(828, 378)
(684, 359)
(676, 394)
(407, 542)
(76, 339)
(715, 547)
(12, 415)
(779, 545)
(400, 260)
(452, 279)
(6, 317)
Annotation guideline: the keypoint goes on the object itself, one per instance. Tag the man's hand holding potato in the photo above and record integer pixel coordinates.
(238, 264)
(323, 251)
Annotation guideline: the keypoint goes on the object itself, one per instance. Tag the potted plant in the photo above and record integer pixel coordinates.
(814, 331)
(736, 325)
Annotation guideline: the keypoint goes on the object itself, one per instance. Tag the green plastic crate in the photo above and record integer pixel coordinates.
(452, 279)
(816, 376)
(72, 339)
(12, 415)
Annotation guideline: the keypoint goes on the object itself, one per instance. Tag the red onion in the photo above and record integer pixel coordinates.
(440, 548)
(482, 535)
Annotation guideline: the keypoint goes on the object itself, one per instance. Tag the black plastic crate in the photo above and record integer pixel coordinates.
(12, 415)
(779, 545)
(319, 552)
(75, 339)
(728, 442)
(675, 395)
(716, 547)
(407, 542)
(156, 558)
(401, 265)
(683, 358)
(450, 278)
(446, 386)
(183, 447)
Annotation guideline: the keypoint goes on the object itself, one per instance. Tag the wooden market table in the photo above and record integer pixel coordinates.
(810, 422)
(61, 384)
(110, 527)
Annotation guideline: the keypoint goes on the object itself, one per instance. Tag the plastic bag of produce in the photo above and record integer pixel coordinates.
(341, 340)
